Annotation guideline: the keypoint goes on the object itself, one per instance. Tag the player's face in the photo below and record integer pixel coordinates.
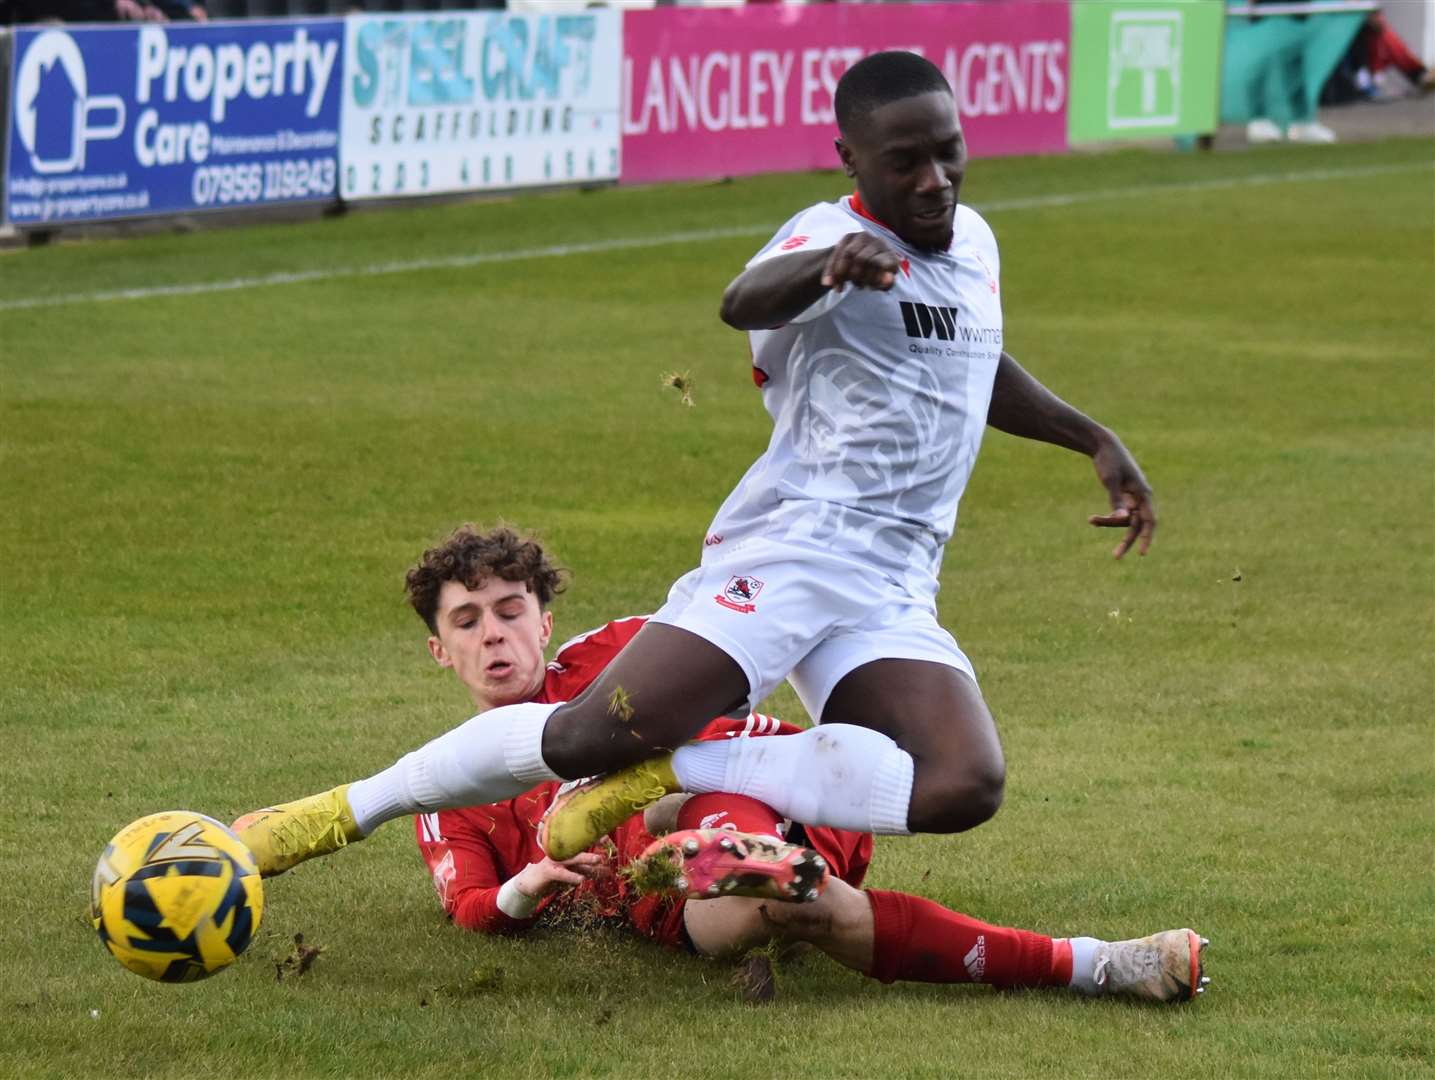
(908, 158)
(493, 637)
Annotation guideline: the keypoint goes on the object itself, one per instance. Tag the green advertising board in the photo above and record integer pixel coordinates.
(1144, 70)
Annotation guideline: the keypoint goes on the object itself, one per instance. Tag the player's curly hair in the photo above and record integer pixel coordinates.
(473, 557)
(882, 78)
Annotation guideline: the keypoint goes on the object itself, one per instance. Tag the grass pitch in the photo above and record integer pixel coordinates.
(210, 500)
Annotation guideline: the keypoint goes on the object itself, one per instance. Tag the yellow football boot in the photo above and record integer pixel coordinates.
(583, 814)
(283, 836)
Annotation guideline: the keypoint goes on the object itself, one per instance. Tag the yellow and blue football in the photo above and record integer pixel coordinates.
(176, 897)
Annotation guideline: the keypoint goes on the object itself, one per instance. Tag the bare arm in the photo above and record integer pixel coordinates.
(1024, 407)
(1021, 406)
(776, 291)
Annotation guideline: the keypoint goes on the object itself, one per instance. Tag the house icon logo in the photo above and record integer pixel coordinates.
(1143, 87)
(55, 117)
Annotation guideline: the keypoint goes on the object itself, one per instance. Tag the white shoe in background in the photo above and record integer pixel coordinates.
(1311, 132)
(1264, 131)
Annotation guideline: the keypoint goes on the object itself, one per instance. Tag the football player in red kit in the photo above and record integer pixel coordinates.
(484, 597)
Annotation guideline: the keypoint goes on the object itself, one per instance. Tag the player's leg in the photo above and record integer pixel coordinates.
(894, 936)
(892, 689)
(888, 936)
(729, 925)
(935, 712)
(904, 746)
(655, 695)
(901, 674)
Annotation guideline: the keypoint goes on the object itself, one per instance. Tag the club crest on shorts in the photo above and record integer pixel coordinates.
(739, 593)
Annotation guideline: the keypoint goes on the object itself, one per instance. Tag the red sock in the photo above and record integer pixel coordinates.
(921, 941)
(724, 811)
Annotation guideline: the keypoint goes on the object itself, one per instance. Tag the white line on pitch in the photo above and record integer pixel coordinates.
(458, 262)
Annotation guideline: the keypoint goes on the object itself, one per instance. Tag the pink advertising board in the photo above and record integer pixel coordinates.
(727, 92)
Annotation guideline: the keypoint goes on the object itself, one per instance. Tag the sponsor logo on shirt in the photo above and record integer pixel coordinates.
(929, 320)
(712, 540)
(792, 243)
(740, 592)
(925, 321)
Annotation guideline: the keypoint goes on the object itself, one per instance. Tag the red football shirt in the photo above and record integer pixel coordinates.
(471, 852)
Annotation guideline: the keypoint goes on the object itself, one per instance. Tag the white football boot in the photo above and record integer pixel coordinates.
(1162, 967)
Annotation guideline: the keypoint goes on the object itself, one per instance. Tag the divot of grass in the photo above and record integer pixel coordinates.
(655, 873)
(756, 977)
(299, 960)
(682, 382)
(756, 974)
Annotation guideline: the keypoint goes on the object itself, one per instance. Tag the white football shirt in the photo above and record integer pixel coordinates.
(878, 402)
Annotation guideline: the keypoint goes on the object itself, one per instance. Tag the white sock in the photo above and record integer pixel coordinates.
(1083, 964)
(839, 775)
(494, 756)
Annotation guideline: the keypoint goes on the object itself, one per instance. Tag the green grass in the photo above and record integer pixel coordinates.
(209, 502)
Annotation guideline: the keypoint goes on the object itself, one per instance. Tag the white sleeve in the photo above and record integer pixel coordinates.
(819, 226)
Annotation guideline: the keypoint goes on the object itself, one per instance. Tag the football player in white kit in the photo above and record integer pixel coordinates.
(876, 330)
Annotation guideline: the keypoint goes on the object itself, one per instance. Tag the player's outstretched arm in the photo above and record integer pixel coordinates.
(1022, 406)
(776, 291)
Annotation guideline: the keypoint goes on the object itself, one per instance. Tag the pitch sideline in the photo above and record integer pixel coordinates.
(456, 262)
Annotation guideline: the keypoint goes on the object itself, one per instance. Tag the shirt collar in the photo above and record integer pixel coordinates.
(860, 209)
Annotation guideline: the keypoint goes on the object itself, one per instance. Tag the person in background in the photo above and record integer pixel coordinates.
(1383, 49)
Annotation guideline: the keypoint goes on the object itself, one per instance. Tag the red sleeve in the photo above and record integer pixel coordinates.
(467, 855)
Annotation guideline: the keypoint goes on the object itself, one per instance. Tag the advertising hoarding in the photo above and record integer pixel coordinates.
(1143, 70)
(727, 92)
(466, 101)
(124, 121)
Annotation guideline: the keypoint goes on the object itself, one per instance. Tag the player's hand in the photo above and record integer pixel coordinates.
(1132, 507)
(863, 260)
(541, 878)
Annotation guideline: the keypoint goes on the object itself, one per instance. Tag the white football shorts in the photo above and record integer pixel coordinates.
(788, 612)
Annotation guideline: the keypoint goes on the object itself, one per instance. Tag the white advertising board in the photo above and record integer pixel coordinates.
(468, 101)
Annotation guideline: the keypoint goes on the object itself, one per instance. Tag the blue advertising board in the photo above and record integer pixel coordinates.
(124, 121)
